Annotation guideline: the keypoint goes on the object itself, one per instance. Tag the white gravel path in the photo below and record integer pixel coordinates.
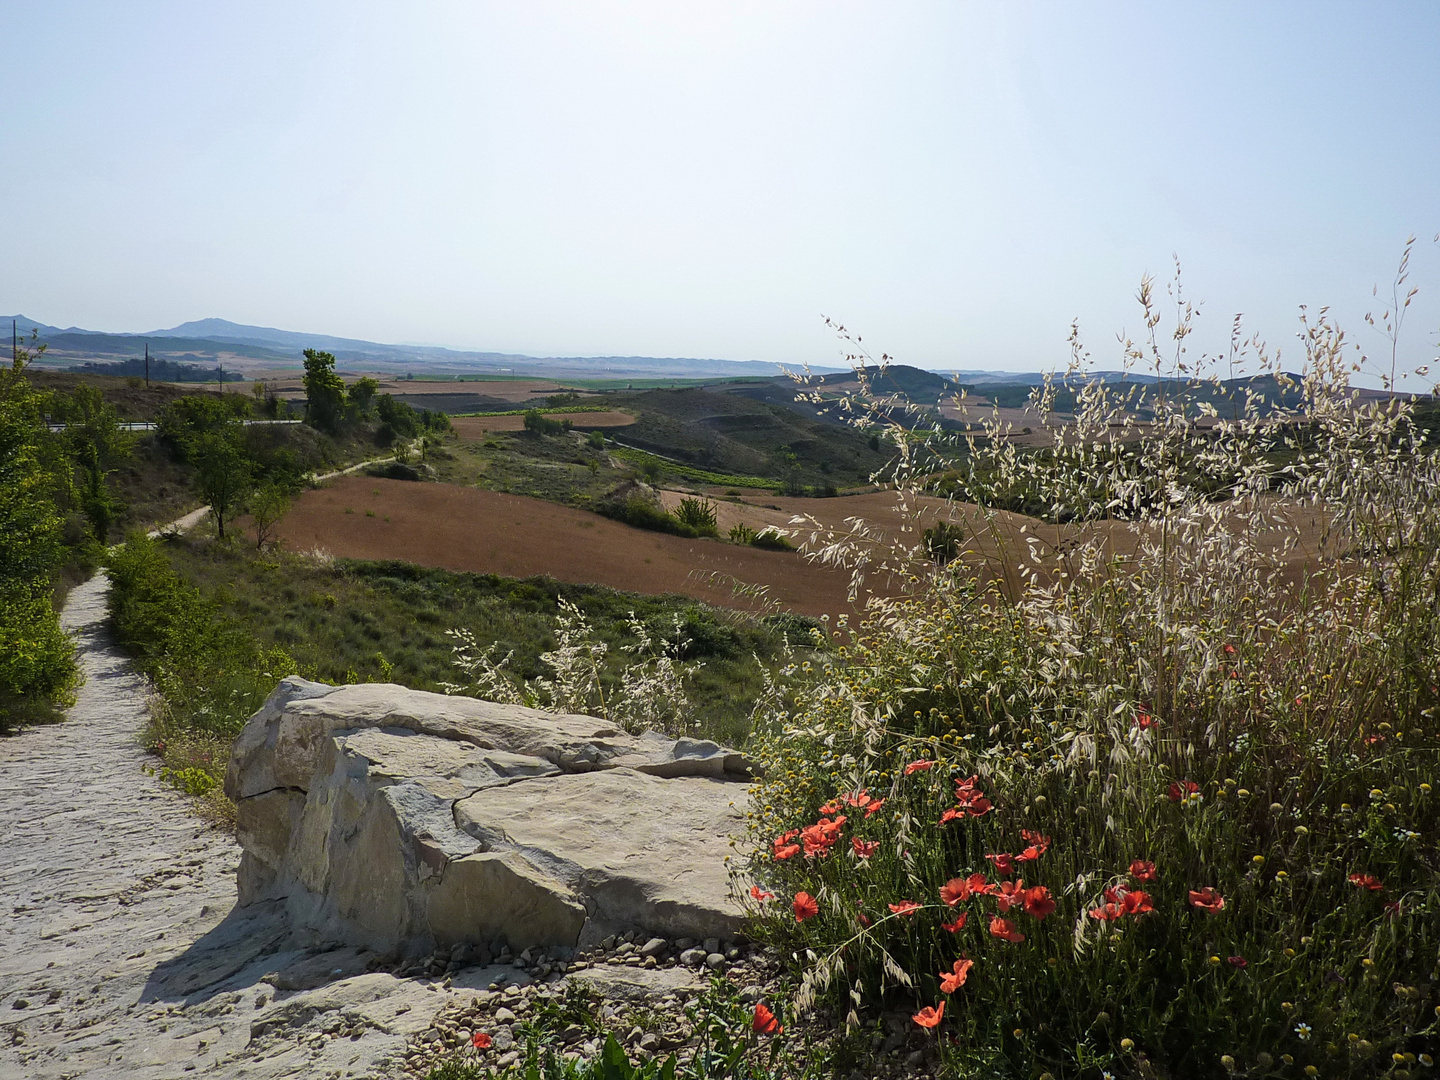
(120, 954)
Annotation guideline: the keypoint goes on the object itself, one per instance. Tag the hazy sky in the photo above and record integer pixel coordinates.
(955, 181)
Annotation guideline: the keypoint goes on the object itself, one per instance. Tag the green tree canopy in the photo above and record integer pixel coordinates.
(324, 391)
(224, 474)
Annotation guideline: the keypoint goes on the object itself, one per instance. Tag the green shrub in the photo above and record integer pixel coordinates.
(942, 540)
(642, 513)
(36, 658)
(212, 674)
(541, 424)
(698, 514)
(770, 540)
(740, 533)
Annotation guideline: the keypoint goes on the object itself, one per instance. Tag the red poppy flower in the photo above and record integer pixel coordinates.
(1141, 870)
(918, 766)
(951, 814)
(956, 926)
(765, 1022)
(1135, 902)
(480, 1041)
(971, 797)
(952, 980)
(1366, 881)
(928, 1017)
(1392, 909)
(1109, 912)
(864, 848)
(905, 907)
(805, 907)
(1010, 894)
(1207, 899)
(784, 848)
(1144, 721)
(1004, 928)
(1180, 791)
(1004, 864)
(1229, 649)
(760, 895)
(860, 798)
(874, 807)
(954, 891)
(1236, 961)
(820, 837)
(1038, 903)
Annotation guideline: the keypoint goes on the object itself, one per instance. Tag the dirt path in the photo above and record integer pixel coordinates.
(120, 955)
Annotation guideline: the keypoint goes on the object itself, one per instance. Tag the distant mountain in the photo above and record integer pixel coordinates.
(259, 348)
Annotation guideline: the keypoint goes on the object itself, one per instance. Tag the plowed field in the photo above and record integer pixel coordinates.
(461, 528)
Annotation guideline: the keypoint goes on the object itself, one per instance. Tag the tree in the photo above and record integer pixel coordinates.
(362, 396)
(223, 474)
(324, 391)
(96, 445)
(268, 505)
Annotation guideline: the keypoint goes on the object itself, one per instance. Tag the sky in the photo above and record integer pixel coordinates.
(955, 182)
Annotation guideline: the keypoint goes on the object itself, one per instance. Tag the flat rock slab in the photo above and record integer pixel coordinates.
(642, 850)
(404, 822)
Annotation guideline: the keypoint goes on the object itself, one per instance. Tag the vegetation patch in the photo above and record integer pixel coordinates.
(1168, 816)
(215, 625)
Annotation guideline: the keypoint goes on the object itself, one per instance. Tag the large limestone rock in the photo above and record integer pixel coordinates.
(405, 821)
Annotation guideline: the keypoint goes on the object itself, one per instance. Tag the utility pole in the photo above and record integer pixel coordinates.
(147, 365)
(14, 346)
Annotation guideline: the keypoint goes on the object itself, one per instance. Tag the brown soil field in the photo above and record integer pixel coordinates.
(990, 544)
(476, 428)
(459, 528)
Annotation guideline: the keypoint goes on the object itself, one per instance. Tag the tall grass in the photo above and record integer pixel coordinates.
(1162, 772)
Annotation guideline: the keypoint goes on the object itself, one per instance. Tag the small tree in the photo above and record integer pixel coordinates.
(324, 391)
(223, 474)
(698, 514)
(268, 505)
(362, 396)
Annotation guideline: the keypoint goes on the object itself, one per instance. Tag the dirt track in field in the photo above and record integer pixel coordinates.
(475, 428)
(459, 528)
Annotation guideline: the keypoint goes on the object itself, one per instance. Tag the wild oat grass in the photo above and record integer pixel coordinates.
(1172, 799)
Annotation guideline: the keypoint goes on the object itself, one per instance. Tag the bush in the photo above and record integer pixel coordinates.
(770, 540)
(211, 673)
(37, 666)
(698, 514)
(942, 541)
(642, 513)
(541, 424)
(1173, 816)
